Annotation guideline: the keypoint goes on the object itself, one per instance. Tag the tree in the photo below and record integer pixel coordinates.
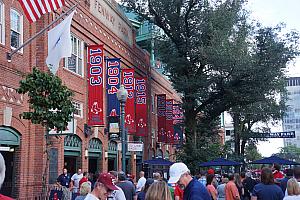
(245, 117)
(50, 105)
(251, 153)
(214, 57)
(290, 152)
(206, 146)
(50, 101)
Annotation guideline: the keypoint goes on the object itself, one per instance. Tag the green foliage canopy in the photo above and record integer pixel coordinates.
(214, 56)
(50, 101)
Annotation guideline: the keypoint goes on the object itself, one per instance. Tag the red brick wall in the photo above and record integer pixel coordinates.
(30, 159)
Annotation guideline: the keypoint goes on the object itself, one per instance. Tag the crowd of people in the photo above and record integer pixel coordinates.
(269, 183)
(266, 184)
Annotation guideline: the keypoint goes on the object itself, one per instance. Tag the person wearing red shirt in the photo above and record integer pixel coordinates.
(276, 173)
(84, 178)
(178, 192)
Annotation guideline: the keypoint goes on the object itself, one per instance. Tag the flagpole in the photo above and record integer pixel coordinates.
(10, 54)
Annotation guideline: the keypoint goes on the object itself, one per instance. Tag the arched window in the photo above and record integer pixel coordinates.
(95, 146)
(72, 143)
(16, 29)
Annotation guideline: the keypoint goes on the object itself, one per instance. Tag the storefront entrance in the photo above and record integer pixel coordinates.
(9, 141)
(95, 155)
(112, 156)
(72, 153)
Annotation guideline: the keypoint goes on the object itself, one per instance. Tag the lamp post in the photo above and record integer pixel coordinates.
(122, 95)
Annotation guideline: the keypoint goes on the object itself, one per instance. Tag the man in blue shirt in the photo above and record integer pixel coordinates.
(64, 179)
(194, 190)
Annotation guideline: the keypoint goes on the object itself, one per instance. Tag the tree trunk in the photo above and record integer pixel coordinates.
(190, 122)
(244, 142)
(237, 139)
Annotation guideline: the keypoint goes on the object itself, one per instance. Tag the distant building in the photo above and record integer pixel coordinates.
(291, 121)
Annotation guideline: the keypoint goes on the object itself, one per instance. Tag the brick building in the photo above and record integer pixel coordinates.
(23, 143)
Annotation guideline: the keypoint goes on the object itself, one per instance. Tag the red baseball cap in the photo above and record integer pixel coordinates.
(107, 180)
(211, 171)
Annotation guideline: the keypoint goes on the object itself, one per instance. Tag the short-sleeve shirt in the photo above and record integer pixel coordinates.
(221, 191)
(83, 180)
(231, 191)
(117, 194)
(91, 197)
(212, 190)
(195, 191)
(76, 178)
(64, 180)
(278, 174)
(267, 192)
(178, 192)
(128, 189)
(140, 184)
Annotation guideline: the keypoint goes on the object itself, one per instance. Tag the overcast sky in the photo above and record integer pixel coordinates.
(272, 12)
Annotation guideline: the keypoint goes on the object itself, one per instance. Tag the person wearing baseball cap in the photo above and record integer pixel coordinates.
(103, 187)
(193, 189)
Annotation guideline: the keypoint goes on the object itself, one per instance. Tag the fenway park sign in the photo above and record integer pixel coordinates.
(285, 134)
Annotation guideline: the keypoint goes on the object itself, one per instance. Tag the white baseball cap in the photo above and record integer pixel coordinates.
(176, 170)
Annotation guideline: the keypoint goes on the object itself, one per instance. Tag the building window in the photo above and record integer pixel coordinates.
(75, 62)
(2, 23)
(227, 132)
(78, 112)
(16, 29)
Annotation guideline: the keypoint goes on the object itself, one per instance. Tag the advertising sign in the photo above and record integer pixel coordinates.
(135, 146)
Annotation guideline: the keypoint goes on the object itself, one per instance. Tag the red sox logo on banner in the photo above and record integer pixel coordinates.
(128, 82)
(95, 85)
(141, 106)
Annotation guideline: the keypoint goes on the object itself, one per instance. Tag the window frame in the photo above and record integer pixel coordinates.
(81, 108)
(2, 22)
(21, 28)
(81, 42)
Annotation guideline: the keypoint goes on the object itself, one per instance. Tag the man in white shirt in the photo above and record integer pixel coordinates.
(103, 187)
(75, 183)
(141, 182)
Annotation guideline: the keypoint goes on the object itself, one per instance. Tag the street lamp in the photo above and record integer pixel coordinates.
(122, 95)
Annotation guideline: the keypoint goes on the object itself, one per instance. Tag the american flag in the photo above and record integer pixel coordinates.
(34, 9)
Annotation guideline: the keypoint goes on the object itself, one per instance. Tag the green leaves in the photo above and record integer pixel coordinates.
(50, 101)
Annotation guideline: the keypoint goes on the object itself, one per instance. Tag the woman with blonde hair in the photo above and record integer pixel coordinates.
(158, 191)
(85, 188)
(293, 190)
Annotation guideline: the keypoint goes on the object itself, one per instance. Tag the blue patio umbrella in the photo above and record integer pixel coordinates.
(275, 159)
(219, 162)
(158, 161)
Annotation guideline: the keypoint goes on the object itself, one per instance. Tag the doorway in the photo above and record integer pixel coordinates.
(70, 162)
(111, 164)
(93, 165)
(8, 181)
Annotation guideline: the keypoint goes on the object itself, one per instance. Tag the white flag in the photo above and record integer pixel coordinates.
(59, 43)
